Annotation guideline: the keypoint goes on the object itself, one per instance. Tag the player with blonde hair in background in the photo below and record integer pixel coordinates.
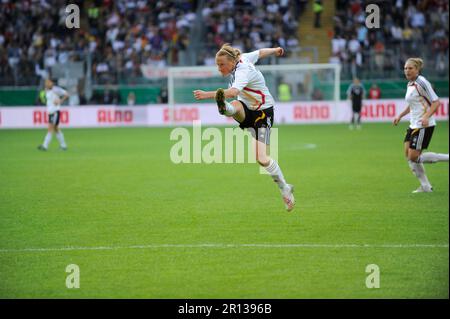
(55, 96)
(422, 104)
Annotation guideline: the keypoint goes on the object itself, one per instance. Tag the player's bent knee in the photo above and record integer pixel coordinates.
(413, 157)
(237, 105)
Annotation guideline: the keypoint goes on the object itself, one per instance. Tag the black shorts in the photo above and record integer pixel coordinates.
(356, 107)
(419, 138)
(54, 118)
(258, 123)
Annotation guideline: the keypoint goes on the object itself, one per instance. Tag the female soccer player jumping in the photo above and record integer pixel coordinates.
(55, 96)
(253, 108)
(422, 104)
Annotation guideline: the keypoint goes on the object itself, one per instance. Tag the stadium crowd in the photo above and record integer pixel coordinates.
(250, 25)
(405, 28)
(120, 35)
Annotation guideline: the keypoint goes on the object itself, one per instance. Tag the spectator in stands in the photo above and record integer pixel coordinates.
(110, 96)
(118, 34)
(121, 34)
(374, 92)
(317, 95)
(404, 30)
(379, 55)
(131, 99)
(163, 96)
(284, 92)
(317, 8)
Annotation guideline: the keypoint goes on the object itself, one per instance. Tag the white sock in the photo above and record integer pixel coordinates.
(60, 138)
(275, 171)
(47, 139)
(431, 157)
(229, 109)
(419, 171)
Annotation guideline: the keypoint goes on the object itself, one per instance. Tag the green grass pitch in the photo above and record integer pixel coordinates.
(139, 225)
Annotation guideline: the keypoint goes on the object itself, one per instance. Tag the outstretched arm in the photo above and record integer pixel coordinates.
(204, 95)
(271, 51)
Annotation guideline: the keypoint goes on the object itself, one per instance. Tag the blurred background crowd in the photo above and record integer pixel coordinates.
(120, 41)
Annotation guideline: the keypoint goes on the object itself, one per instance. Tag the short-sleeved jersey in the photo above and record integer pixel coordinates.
(251, 83)
(419, 96)
(53, 97)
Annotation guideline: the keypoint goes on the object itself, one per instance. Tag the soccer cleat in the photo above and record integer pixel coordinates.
(41, 148)
(64, 148)
(288, 197)
(220, 100)
(423, 190)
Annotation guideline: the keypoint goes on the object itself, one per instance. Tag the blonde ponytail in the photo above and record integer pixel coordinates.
(417, 62)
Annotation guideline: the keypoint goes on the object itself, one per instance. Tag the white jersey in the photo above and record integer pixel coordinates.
(250, 83)
(53, 97)
(419, 96)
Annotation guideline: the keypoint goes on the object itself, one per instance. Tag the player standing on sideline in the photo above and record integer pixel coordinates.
(356, 93)
(55, 96)
(422, 104)
(253, 108)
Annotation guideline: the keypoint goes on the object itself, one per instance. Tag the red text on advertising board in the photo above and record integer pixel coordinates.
(114, 116)
(312, 112)
(442, 109)
(379, 110)
(41, 117)
(184, 114)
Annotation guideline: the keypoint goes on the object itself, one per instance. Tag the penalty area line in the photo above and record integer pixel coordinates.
(162, 246)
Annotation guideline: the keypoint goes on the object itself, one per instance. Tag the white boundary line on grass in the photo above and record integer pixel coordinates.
(156, 246)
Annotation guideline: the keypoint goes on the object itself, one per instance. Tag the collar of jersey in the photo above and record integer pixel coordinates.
(235, 67)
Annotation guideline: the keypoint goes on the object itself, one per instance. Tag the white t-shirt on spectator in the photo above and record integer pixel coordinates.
(354, 46)
(335, 45)
(342, 43)
(396, 32)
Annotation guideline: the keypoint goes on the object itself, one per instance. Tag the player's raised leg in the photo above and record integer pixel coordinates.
(430, 157)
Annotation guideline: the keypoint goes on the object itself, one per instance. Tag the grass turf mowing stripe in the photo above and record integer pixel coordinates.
(152, 246)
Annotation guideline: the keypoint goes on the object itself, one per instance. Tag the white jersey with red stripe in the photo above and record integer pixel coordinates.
(419, 96)
(251, 83)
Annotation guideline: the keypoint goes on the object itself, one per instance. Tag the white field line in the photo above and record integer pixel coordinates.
(161, 246)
